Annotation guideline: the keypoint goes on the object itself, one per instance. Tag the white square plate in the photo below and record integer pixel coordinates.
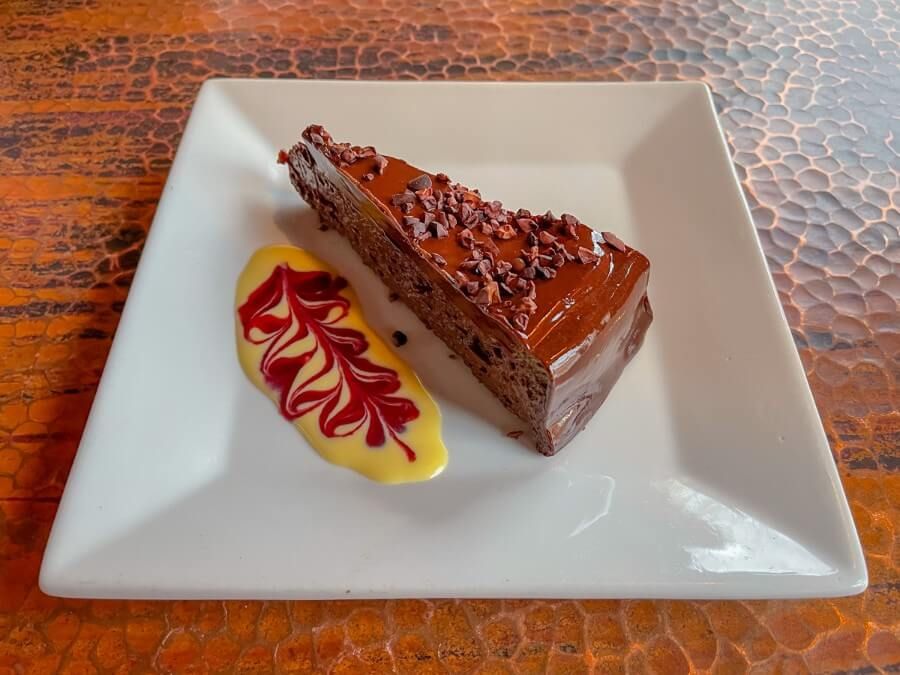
(705, 475)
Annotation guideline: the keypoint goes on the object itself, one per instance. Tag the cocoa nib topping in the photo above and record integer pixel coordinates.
(525, 224)
(466, 239)
(520, 321)
(489, 294)
(490, 247)
(317, 134)
(439, 230)
(586, 256)
(505, 231)
(614, 241)
(401, 198)
(434, 207)
(483, 267)
(526, 305)
(545, 272)
(546, 238)
(342, 154)
(420, 183)
(569, 225)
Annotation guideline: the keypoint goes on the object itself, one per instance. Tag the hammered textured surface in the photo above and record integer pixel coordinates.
(93, 99)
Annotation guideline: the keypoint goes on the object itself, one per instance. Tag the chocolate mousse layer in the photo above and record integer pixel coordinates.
(543, 309)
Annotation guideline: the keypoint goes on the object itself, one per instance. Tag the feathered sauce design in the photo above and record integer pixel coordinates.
(303, 341)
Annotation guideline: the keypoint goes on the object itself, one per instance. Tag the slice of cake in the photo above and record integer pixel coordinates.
(545, 311)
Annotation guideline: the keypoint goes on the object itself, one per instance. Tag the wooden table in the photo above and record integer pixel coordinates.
(94, 95)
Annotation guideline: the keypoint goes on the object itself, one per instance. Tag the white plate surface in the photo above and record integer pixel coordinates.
(705, 475)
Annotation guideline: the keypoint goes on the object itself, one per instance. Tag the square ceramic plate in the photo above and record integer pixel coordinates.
(705, 475)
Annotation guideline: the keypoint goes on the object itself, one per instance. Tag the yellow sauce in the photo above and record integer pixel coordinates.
(294, 321)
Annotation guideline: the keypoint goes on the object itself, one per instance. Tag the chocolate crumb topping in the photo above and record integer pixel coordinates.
(380, 164)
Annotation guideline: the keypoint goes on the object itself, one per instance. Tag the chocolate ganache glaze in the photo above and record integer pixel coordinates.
(539, 288)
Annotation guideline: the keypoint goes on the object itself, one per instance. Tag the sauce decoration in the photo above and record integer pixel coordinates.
(303, 341)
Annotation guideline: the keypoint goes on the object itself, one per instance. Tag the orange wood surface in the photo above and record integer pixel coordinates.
(94, 95)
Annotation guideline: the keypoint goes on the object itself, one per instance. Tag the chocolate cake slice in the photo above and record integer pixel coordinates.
(544, 310)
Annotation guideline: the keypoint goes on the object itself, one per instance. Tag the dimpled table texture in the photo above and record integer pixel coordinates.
(94, 96)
